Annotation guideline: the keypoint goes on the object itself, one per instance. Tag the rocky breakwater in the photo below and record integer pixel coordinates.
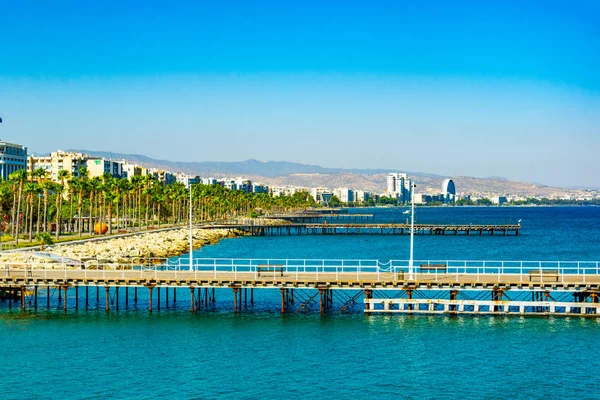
(151, 245)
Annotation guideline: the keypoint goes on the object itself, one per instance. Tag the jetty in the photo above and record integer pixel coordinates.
(565, 288)
(346, 228)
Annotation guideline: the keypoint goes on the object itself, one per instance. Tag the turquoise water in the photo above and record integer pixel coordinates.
(260, 354)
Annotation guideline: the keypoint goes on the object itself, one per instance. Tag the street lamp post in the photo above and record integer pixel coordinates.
(191, 233)
(412, 233)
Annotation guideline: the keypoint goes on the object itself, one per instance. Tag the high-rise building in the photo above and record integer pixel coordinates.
(399, 186)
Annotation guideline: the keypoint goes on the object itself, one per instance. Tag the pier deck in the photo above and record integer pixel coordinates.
(500, 287)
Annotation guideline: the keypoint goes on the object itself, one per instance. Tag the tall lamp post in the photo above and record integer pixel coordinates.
(412, 232)
(191, 233)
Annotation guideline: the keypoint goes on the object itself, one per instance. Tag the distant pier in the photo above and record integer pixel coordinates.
(343, 228)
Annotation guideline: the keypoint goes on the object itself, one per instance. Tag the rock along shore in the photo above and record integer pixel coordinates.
(127, 249)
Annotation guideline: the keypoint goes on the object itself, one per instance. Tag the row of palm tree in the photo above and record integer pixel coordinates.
(80, 204)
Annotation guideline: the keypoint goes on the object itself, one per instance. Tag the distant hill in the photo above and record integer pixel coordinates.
(282, 173)
(249, 167)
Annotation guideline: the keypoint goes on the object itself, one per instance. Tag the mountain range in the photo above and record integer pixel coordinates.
(282, 173)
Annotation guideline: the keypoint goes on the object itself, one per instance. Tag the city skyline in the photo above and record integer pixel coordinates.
(470, 89)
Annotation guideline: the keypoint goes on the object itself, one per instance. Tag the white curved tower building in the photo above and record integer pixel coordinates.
(448, 191)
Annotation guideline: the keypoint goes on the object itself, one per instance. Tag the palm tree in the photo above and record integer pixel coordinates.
(39, 176)
(82, 186)
(95, 186)
(30, 190)
(63, 175)
(19, 176)
(46, 187)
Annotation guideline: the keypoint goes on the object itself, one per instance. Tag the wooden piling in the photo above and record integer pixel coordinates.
(107, 298)
(282, 290)
(65, 288)
(192, 299)
(235, 290)
(150, 294)
(77, 297)
(35, 297)
(22, 297)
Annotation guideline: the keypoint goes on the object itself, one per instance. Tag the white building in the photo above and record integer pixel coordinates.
(399, 186)
(344, 194)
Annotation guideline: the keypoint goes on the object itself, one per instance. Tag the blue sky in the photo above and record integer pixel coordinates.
(475, 88)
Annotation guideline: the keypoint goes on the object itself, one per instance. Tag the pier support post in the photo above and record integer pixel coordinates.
(59, 295)
(158, 298)
(87, 297)
(409, 293)
(35, 297)
(150, 288)
(117, 298)
(135, 298)
(252, 296)
(97, 295)
(213, 295)
(48, 297)
(107, 298)
(192, 299)
(126, 296)
(65, 288)
(368, 295)
(77, 297)
(594, 297)
(282, 290)
(235, 291)
(174, 296)
(22, 297)
(321, 301)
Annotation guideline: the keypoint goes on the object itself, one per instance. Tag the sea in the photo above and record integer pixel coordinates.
(259, 353)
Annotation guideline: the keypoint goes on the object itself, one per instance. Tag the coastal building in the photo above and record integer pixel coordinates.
(360, 196)
(164, 177)
(344, 194)
(131, 170)
(499, 200)
(260, 188)
(209, 181)
(399, 186)
(321, 195)
(448, 191)
(13, 157)
(100, 166)
(59, 160)
(188, 180)
(245, 185)
(421, 198)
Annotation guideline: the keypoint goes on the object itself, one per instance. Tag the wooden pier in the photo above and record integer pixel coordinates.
(467, 287)
(305, 217)
(341, 228)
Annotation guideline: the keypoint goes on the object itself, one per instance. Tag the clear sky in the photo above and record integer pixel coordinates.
(479, 88)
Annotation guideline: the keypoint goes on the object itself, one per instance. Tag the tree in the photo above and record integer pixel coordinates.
(63, 175)
(19, 176)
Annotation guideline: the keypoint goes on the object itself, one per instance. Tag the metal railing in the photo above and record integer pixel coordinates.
(330, 269)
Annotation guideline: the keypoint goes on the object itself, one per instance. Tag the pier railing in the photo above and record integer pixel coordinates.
(321, 269)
